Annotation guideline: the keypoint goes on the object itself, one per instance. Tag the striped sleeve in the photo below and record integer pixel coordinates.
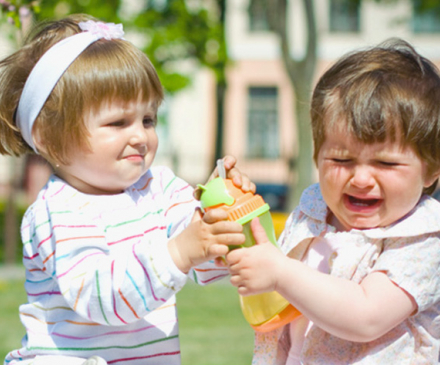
(111, 283)
(180, 207)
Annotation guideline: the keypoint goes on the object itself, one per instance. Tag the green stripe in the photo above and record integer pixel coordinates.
(166, 187)
(100, 348)
(99, 297)
(134, 220)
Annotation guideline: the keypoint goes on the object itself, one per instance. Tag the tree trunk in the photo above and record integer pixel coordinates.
(301, 72)
(220, 86)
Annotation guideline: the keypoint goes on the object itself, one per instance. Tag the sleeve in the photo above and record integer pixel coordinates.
(414, 265)
(111, 283)
(180, 207)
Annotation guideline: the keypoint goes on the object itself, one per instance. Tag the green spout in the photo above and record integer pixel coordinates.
(215, 193)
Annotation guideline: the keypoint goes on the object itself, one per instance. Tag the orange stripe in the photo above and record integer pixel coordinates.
(128, 304)
(79, 293)
(145, 186)
(78, 238)
(175, 205)
(48, 257)
(69, 321)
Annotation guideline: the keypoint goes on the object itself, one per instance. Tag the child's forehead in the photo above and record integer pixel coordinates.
(341, 142)
(124, 103)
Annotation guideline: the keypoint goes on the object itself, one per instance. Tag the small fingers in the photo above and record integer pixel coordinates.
(215, 215)
(218, 250)
(220, 261)
(229, 162)
(241, 180)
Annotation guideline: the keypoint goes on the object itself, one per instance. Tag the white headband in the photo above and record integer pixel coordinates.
(51, 66)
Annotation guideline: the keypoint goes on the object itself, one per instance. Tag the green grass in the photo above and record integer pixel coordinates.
(212, 328)
(12, 294)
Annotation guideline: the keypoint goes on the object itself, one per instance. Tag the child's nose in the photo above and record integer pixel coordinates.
(138, 134)
(362, 177)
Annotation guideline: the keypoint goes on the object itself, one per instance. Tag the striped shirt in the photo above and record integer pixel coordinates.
(99, 277)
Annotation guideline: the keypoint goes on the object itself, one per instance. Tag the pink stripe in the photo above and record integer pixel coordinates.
(181, 189)
(144, 357)
(46, 239)
(148, 277)
(137, 236)
(59, 191)
(213, 278)
(31, 258)
(44, 293)
(125, 239)
(92, 254)
(74, 226)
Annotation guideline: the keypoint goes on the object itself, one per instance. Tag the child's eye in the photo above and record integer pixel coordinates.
(149, 122)
(341, 160)
(388, 163)
(117, 123)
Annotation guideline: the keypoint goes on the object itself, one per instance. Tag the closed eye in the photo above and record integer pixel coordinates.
(117, 123)
(388, 163)
(149, 122)
(341, 160)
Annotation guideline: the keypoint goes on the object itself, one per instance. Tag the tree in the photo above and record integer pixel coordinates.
(301, 72)
(172, 32)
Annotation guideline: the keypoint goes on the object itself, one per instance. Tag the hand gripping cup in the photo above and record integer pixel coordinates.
(264, 312)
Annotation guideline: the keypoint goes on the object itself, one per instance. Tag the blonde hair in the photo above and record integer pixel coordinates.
(388, 92)
(107, 70)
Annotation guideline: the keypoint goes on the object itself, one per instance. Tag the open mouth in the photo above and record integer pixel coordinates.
(361, 204)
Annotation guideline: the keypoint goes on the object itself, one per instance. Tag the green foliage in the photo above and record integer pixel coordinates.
(173, 33)
(14, 10)
(18, 247)
(176, 33)
(104, 10)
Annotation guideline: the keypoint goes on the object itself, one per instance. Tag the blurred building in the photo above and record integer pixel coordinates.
(259, 110)
(259, 107)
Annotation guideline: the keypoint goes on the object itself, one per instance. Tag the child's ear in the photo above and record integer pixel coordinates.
(38, 142)
(431, 178)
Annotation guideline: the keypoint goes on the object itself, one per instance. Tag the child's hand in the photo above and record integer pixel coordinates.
(239, 179)
(204, 239)
(256, 269)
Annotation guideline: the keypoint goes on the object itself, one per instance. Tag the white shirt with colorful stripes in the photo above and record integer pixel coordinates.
(99, 277)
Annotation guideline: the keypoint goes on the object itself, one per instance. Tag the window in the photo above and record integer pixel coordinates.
(263, 139)
(344, 15)
(258, 18)
(426, 18)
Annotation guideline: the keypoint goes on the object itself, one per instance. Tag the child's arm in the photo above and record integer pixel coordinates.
(207, 237)
(355, 312)
(204, 239)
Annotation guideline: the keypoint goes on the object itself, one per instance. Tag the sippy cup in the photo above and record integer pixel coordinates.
(264, 312)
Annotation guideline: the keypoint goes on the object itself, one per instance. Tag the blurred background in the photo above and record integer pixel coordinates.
(238, 76)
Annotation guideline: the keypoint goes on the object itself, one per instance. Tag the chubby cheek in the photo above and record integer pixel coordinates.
(332, 178)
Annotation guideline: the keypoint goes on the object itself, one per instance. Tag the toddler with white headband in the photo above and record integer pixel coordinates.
(110, 239)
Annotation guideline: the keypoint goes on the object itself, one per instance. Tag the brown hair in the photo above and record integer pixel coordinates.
(388, 92)
(105, 71)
